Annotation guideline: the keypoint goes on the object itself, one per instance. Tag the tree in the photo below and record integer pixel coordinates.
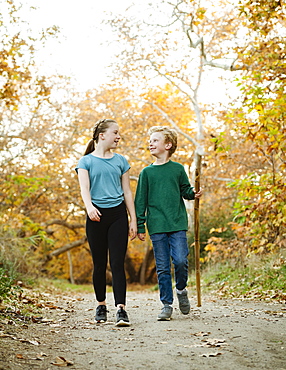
(259, 121)
(207, 37)
(17, 51)
(179, 50)
(181, 43)
(35, 135)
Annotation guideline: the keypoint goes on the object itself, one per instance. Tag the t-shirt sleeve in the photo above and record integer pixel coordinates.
(82, 163)
(125, 165)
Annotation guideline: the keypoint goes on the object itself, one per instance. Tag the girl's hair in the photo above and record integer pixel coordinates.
(100, 127)
(169, 134)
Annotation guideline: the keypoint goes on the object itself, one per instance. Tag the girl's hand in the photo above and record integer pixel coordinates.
(132, 229)
(141, 236)
(94, 214)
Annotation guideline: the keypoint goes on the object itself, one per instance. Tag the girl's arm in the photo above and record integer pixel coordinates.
(128, 197)
(83, 178)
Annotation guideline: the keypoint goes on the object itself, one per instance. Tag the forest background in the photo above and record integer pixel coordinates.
(174, 61)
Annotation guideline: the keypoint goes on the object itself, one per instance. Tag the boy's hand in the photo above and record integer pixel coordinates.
(199, 193)
(141, 236)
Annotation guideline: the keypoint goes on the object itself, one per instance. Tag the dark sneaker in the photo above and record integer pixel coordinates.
(101, 313)
(184, 303)
(122, 318)
(166, 313)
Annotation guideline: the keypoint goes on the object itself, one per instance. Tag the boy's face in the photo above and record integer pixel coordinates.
(157, 144)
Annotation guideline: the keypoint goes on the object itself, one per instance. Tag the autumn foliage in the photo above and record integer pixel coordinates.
(46, 124)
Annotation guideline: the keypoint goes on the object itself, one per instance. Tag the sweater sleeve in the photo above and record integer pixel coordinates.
(141, 197)
(187, 191)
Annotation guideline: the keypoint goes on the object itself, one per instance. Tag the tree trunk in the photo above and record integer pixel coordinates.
(197, 230)
(70, 266)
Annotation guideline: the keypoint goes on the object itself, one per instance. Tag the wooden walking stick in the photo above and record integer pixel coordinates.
(197, 229)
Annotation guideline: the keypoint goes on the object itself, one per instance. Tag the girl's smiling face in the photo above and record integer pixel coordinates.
(111, 136)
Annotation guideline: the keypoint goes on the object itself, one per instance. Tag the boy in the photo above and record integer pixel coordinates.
(159, 202)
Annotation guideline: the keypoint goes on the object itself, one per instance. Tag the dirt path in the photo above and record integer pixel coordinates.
(222, 334)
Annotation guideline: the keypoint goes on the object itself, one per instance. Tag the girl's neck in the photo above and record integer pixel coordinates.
(102, 152)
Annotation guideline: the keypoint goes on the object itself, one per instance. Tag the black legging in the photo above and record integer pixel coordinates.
(110, 234)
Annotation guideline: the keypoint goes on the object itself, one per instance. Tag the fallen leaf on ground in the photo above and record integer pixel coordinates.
(214, 354)
(34, 342)
(4, 335)
(40, 356)
(61, 361)
(202, 334)
(214, 342)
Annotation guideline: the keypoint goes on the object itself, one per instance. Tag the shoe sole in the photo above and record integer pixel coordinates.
(185, 313)
(100, 321)
(122, 323)
(166, 319)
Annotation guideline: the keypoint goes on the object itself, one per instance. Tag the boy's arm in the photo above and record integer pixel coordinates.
(187, 191)
(141, 203)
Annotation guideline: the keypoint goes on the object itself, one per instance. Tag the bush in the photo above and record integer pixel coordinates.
(17, 258)
(212, 224)
(6, 284)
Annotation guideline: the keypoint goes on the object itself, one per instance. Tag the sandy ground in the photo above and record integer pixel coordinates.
(222, 334)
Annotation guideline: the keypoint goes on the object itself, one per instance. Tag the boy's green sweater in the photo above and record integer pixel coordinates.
(159, 198)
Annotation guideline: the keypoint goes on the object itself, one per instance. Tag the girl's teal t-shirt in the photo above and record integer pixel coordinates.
(105, 178)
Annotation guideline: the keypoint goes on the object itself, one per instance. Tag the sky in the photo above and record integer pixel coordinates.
(81, 49)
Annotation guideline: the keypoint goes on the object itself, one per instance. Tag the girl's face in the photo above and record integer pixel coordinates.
(111, 136)
(157, 144)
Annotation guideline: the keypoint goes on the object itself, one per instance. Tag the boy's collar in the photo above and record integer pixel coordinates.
(160, 164)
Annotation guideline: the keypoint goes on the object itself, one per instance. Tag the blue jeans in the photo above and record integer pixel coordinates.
(166, 246)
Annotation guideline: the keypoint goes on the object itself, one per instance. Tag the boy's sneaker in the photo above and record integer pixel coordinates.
(101, 313)
(166, 313)
(184, 303)
(122, 318)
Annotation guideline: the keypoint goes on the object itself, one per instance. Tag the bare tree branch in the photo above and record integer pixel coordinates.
(66, 248)
(64, 223)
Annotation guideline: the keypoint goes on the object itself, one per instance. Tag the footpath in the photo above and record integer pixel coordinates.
(222, 334)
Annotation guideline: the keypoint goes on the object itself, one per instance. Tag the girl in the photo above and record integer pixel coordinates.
(105, 190)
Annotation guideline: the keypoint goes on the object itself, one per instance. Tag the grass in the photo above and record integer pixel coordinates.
(66, 286)
(257, 278)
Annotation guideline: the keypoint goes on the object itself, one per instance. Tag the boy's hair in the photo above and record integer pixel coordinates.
(169, 134)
